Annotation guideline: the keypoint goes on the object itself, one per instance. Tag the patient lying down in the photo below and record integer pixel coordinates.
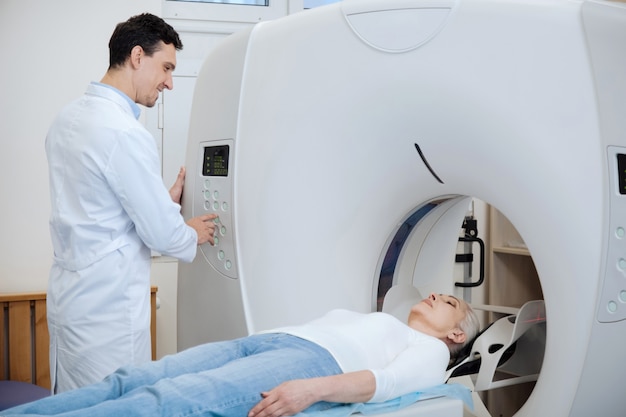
(342, 357)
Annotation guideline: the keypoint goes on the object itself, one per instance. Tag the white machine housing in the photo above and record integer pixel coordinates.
(317, 135)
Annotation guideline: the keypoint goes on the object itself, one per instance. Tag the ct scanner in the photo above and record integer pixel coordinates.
(315, 136)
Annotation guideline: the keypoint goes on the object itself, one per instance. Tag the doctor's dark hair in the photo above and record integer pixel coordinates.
(145, 30)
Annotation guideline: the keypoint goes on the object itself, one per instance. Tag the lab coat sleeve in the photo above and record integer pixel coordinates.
(416, 368)
(133, 172)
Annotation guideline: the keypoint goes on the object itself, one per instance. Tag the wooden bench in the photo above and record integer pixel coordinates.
(24, 338)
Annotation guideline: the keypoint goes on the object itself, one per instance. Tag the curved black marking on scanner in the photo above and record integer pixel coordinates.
(432, 171)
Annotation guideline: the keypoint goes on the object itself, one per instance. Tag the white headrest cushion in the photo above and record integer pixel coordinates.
(399, 300)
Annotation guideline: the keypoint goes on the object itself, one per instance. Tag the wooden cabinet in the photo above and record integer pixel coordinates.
(512, 280)
(25, 341)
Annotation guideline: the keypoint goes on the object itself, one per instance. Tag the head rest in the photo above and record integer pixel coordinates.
(399, 300)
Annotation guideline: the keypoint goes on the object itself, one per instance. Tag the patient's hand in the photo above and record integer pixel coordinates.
(291, 397)
(287, 399)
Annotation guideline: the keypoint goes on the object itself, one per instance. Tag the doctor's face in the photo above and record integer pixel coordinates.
(155, 75)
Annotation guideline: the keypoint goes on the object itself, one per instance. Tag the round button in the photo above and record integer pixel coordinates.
(622, 264)
(228, 264)
(216, 194)
(622, 296)
(207, 184)
(216, 241)
(620, 232)
(225, 206)
(207, 194)
(223, 230)
(220, 255)
(216, 205)
(612, 306)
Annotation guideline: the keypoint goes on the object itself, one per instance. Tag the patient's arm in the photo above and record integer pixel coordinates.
(291, 397)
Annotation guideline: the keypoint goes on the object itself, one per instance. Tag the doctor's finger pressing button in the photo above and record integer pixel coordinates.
(205, 227)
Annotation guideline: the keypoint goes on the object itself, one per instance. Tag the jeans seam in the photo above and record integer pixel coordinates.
(212, 410)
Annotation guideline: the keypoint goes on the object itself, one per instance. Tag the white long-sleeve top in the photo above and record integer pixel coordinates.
(402, 359)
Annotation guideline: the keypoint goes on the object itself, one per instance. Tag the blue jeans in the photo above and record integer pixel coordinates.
(216, 379)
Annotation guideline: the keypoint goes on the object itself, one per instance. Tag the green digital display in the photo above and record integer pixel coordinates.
(215, 162)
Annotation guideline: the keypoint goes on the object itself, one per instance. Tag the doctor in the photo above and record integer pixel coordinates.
(110, 208)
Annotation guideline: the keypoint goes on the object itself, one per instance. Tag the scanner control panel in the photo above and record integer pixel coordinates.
(213, 194)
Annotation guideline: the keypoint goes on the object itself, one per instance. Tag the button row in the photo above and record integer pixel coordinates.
(612, 306)
(212, 203)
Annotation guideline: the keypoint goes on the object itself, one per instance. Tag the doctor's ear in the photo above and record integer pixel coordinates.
(136, 54)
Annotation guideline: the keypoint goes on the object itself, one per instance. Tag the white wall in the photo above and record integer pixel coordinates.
(51, 50)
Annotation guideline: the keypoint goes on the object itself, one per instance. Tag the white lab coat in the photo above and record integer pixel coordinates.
(109, 208)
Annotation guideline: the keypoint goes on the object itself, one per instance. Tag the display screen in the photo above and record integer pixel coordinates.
(621, 172)
(215, 161)
(242, 2)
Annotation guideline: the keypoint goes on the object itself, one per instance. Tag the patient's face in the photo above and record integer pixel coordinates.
(437, 315)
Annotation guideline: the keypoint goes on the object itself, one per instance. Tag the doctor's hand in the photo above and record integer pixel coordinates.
(287, 399)
(176, 192)
(204, 227)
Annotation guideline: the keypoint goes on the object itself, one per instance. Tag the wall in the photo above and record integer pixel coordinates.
(50, 52)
